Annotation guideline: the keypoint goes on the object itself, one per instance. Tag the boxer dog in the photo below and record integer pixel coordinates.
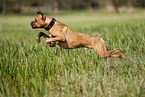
(63, 36)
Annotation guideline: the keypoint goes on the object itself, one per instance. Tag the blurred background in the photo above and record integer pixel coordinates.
(30, 70)
(55, 6)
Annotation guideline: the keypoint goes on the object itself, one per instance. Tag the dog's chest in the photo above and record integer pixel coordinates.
(63, 44)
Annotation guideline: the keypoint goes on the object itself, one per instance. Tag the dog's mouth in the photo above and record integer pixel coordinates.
(33, 25)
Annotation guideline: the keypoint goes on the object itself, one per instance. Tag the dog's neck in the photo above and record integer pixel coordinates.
(50, 24)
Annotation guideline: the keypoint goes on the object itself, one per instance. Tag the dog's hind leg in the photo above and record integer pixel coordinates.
(103, 51)
(51, 44)
(115, 53)
(99, 46)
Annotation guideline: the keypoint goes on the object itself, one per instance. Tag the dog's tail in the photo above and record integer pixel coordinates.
(100, 35)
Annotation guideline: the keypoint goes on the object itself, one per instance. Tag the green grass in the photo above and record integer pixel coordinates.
(29, 69)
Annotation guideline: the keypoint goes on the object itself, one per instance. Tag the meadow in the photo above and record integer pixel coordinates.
(35, 70)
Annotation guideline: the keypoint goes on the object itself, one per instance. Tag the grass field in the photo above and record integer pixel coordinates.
(29, 69)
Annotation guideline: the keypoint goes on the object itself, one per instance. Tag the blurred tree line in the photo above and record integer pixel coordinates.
(21, 6)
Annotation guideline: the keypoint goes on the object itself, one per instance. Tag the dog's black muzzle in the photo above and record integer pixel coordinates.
(33, 25)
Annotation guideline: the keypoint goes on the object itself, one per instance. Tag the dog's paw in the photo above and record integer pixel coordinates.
(38, 39)
(51, 44)
(125, 58)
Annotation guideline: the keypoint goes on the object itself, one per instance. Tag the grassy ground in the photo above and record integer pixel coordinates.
(29, 69)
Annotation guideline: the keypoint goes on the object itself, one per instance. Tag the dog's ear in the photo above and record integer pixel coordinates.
(39, 12)
(43, 17)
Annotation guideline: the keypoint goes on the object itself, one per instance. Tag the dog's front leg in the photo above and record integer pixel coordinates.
(51, 44)
(40, 35)
(56, 39)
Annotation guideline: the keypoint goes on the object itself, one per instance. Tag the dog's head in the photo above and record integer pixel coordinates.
(39, 21)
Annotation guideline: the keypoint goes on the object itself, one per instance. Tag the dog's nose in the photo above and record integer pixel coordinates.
(32, 23)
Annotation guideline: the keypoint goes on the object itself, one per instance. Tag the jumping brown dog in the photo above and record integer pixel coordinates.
(63, 36)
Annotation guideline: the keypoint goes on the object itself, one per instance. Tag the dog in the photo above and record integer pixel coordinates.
(63, 36)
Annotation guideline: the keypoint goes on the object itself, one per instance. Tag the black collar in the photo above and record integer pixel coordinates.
(50, 24)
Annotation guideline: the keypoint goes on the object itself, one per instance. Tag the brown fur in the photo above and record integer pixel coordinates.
(67, 39)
